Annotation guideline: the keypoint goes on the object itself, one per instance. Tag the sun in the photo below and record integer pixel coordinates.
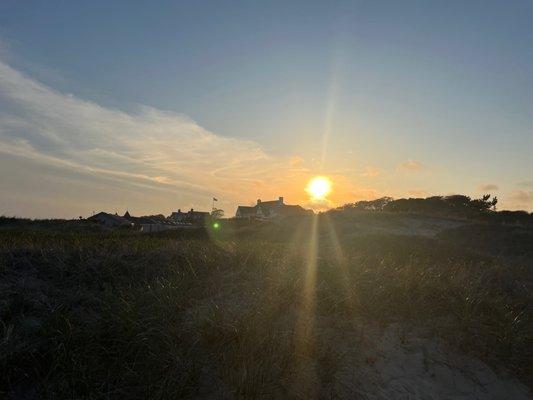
(319, 187)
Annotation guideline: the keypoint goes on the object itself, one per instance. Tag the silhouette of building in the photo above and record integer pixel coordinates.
(190, 217)
(246, 212)
(152, 223)
(269, 210)
(110, 220)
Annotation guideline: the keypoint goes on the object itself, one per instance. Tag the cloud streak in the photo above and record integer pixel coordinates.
(157, 160)
(411, 166)
(64, 156)
(40, 121)
(487, 187)
(150, 148)
(522, 196)
(370, 172)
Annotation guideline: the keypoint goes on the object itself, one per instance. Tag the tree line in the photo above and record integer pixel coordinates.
(457, 205)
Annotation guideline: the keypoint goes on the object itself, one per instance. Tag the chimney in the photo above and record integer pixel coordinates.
(258, 201)
(280, 200)
(179, 210)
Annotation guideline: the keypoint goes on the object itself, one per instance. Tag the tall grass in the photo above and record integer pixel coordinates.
(125, 315)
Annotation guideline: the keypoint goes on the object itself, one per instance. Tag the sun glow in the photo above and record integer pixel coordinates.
(319, 187)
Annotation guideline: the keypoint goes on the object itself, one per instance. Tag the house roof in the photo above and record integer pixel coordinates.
(190, 212)
(250, 210)
(270, 203)
(246, 208)
(292, 210)
(112, 217)
(151, 219)
(199, 212)
(269, 209)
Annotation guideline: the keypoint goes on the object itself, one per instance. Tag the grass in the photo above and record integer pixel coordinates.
(237, 312)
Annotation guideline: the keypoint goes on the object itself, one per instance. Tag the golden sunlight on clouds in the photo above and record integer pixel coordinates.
(370, 172)
(487, 187)
(145, 161)
(417, 193)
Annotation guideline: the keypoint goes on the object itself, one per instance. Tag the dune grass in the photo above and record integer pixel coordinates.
(236, 313)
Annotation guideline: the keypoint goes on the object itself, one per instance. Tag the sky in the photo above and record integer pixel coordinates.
(154, 106)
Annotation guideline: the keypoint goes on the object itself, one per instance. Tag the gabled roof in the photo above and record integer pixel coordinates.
(198, 212)
(270, 208)
(266, 208)
(190, 212)
(270, 203)
(292, 210)
(110, 217)
(246, 210)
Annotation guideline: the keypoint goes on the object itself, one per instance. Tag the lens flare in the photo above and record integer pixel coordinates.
(319, 187)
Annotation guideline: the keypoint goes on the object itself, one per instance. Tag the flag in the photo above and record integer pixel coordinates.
(215, 199)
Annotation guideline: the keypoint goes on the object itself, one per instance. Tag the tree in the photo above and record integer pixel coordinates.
(484, 203)
(217, 213)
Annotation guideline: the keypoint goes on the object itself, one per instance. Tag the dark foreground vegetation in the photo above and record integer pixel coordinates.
(454, 206)
(253, 311)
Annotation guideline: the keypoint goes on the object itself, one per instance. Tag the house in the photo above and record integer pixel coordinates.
(189, 217)
(152, 223)
(245, 212)
(148, 225)
(110, 220)
(269, 210)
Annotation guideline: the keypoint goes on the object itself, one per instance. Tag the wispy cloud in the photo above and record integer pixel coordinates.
(151, 147)
(526, 184)
(411, 166)
(157, 159)
(417, 192)
(522, 196)
(296, 161)
(485, 187)
(371, 172)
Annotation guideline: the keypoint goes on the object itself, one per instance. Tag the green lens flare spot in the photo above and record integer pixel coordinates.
(216, 225)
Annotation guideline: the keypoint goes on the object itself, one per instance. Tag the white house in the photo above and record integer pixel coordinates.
(269, 210)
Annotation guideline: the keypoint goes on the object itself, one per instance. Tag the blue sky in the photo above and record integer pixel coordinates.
(398, 98)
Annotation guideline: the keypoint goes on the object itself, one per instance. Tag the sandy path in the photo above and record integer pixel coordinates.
(399, 365)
